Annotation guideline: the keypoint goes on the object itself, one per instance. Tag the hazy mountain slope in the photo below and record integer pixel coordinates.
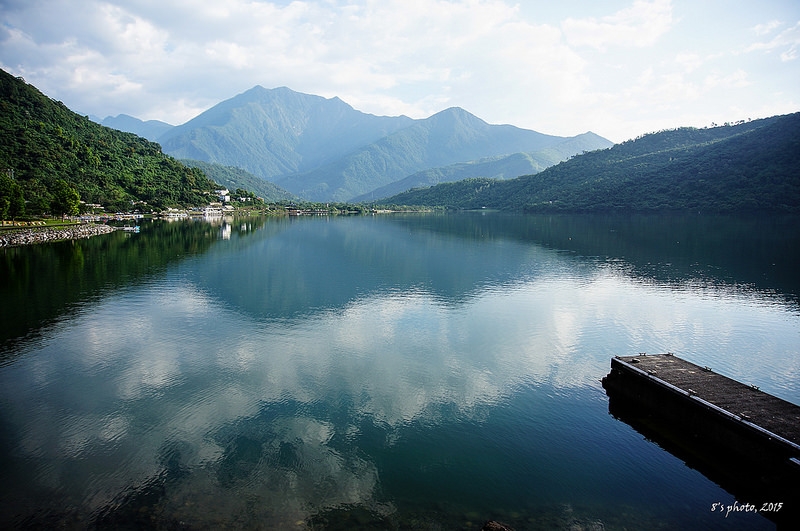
(502, 167)
(448, 137)
(275, 132)
(232, 178)
(151, 129)
(751, 166)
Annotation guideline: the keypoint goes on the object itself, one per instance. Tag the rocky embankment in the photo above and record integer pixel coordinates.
(14, 237)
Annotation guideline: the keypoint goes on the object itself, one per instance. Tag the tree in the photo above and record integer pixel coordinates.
(66, 200)
(12, 200)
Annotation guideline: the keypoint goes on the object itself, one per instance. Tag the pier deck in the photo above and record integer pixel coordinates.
(744, 439)
(746, 402)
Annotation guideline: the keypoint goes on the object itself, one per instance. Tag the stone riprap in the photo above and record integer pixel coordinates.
(30, 236)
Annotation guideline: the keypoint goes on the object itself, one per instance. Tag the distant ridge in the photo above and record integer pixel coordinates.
(447, 137)
(231, 177)
(151, 129)
(500, 167)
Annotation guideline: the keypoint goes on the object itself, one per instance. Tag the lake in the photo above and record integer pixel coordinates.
(420, 371)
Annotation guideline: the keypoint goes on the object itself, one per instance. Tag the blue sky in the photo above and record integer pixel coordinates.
(619, 68)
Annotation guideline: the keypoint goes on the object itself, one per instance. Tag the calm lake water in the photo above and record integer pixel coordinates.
(396, 372)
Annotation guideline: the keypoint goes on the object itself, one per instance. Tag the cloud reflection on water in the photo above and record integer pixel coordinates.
(240, 415)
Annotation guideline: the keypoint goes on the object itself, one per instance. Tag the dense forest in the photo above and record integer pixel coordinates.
(750, 166)
(54, 161)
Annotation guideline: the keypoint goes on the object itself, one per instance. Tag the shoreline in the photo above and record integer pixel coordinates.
(34, 235)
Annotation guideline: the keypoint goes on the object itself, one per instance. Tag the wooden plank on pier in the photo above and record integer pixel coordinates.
(746, 402)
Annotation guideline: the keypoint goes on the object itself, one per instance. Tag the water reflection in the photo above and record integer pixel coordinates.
(274, 267)
(307, 366)
(756, 479)
(274, 413)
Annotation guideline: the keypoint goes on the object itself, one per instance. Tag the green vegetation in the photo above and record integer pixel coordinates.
(234, 178)
(55, 162)
(12, 198)
(51, 159)
(753, 166)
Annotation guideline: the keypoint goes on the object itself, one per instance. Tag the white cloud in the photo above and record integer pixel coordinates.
(764, 29)
(787, 42)
(735, 79)
(789, 55)
(544, 67)
(394, 57)
(689, 61)
(639, 25)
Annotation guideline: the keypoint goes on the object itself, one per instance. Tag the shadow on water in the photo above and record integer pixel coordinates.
(40, 283)
(753, 251)
(769, 486)
(139, 507)
(282, 267)
(322, 265)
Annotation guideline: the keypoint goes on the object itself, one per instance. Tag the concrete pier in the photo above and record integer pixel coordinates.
(744, 439)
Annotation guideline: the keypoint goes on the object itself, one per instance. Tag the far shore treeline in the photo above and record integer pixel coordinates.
(54, 162)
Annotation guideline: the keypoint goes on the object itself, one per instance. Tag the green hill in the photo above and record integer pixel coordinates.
(753, 166)
(232, 178)
(51, 157)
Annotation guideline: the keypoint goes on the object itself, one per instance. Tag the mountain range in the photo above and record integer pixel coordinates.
(322, 149)
(500, 167)
(326, 150)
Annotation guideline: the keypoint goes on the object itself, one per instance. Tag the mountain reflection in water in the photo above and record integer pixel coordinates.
(303, 372)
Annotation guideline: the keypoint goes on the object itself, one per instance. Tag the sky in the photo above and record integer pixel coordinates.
(619, 68)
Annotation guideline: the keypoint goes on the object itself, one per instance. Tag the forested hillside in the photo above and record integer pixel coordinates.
(753, 166)
(51, 158)
(231, 177)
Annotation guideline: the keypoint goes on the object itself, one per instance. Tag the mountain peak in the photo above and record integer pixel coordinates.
(276, 132)
(455, 111)
(258, 92)
(455, 116)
